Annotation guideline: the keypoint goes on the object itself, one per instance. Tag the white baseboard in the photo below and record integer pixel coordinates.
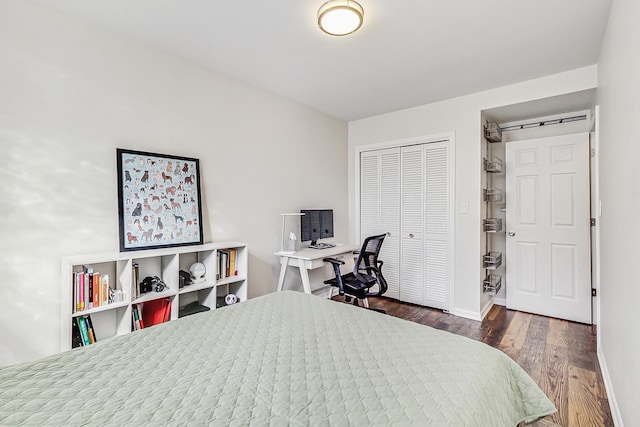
(467, 314)
(486, 308)
(500, 301)
(613, 404)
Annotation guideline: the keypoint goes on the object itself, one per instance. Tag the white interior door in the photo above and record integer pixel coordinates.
(548, 226)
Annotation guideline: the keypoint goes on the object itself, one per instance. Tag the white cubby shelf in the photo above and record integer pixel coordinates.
(113, 319)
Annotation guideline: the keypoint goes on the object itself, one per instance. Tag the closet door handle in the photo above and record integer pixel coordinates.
(411, 235)
(512, 233)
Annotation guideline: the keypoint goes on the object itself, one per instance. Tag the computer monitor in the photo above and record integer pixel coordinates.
(316, 224)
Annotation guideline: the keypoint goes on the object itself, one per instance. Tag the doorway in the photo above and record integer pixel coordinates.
(548, 227)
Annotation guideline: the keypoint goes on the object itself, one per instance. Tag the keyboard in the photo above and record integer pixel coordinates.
(322, 246)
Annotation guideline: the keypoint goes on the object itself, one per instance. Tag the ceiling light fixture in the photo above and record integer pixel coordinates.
(340, 17)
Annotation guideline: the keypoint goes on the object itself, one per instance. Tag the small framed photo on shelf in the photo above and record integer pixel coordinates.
(158, 200)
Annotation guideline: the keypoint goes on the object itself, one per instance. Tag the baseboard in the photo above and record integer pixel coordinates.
(486, 308)
(467, 314)
(500, 301)
(613, 404)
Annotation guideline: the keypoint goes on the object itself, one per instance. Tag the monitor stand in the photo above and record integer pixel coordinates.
(315, 245)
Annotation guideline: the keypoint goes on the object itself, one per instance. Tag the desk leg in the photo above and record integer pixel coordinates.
(306, 284)
(284, 262)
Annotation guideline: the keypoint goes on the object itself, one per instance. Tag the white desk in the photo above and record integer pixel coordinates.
(308, 259)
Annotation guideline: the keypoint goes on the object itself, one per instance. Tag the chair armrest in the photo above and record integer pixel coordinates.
(336, 263)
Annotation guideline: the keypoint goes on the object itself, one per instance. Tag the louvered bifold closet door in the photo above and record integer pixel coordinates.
(369, 194)
(406, 193)
(380, 208)
(390, 219)
(436, 221)
(412, 223)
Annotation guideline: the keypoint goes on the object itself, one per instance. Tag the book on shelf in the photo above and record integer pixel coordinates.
(135, 280)
(85, 292)
(78, 291)
(96, 289)
(223, 256)
(226, 263)
(139, 312)
(90, 330)
(233, 271)
(156, 311)
(105, 289)
(91, 289)
(76, 337)
(84, 331)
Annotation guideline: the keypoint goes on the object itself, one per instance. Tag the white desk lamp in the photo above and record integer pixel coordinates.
(284, 216)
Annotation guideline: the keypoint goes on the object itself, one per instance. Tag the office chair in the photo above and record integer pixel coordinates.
(367, 272)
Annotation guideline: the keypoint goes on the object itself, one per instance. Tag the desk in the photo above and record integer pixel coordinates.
(308, 259)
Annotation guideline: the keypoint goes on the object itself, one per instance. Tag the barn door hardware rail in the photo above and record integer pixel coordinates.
(544, 123)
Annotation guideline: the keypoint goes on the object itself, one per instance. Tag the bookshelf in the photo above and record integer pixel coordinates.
(115, 318)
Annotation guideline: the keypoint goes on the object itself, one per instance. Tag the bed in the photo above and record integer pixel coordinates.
(284, 359)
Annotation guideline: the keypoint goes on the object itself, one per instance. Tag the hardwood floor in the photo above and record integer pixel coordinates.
(559, 355)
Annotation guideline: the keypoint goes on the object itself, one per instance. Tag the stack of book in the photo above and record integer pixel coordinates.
(91, 290)
(150, 313)
(136, 317)
(227, 263)
(83, 331)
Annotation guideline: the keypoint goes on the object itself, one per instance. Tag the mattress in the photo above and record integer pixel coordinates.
(284, 359)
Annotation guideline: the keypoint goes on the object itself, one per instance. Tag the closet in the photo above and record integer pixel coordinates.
(406, 192)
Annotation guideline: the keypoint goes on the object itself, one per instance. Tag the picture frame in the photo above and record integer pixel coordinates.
(159, 202)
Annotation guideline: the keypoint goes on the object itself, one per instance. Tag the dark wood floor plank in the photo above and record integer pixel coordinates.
(515, 335)
(532, 354)
(497, 328)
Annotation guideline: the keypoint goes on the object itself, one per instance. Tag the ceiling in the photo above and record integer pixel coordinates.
(408, 52)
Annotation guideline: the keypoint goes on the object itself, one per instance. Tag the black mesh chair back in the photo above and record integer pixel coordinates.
(368, 267)
(367, 272)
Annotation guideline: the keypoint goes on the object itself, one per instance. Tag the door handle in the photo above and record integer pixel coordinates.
(411, 235)
(512, 233)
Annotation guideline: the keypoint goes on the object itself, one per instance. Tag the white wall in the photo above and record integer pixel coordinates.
(71, 94)
(619, 99)
(463, 116)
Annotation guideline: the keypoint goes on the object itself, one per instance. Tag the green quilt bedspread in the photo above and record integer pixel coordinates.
(282, 359)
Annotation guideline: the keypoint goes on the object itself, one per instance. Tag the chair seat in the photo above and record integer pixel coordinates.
(353, 286)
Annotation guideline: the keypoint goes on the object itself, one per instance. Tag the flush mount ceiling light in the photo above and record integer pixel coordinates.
(340, 17)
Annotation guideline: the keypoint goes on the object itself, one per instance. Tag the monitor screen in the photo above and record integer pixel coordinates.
(316, 224)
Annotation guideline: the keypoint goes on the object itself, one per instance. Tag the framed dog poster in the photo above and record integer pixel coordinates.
(158, 200)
